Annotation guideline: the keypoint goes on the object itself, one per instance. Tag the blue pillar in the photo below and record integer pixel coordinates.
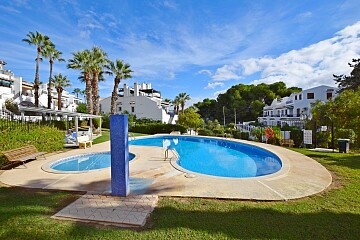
(119, 155)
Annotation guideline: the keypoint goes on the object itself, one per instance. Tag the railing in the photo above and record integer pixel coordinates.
(245, 128)
(9, 121)
(174, 152)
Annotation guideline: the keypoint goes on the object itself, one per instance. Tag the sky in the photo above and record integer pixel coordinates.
(200, 47)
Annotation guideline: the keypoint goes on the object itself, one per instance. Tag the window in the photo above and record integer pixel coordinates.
(300, 96)
(295, 97)
(132, 109)
(120, 109)
(310, 95)
(328, 95)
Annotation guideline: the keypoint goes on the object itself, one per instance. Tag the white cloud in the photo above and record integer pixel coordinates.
(206, 72)
(227, 72)
(8, 9)
(213, 85)
(350, 31)
(307, 67)
(170, 4)
(304, 15)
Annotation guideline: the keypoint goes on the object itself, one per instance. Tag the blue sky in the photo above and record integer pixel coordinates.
(198, 47)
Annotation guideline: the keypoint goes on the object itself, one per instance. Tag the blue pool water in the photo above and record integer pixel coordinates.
(86, 162)
(217, 157)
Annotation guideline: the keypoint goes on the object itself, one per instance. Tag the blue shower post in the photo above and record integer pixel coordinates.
(119, 147)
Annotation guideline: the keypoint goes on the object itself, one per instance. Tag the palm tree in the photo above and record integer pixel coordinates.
(60, 82)
(82, 61)
(183, 97)
(50, 52)
(121, 70)
(98, 63)
(76, 91)
(40, 41)
(176, 103)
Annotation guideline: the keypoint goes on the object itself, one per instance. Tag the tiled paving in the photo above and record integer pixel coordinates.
(130, 211)
(151, 174)
(300, 176)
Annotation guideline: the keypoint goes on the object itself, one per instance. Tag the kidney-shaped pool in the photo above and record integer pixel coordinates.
(216, 157)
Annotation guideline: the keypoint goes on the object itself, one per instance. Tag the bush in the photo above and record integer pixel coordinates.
(258, 132)
(82, 108)
(245, 135)
(346, 133)
(237, 134)
(61, 125)
(297, 135)
(44, 138)
(105, 121)
(155, 128)
(96, 122)
(205, 132)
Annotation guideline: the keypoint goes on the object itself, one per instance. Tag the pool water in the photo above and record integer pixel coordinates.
(217, 157)
(86, 162)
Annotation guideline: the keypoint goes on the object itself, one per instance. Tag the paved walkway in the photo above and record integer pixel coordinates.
(130, 211)
(150, 174)
(299, 177)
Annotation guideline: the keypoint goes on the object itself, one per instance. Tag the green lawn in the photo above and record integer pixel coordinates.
(334, 214)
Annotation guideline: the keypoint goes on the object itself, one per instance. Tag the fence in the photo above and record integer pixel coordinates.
(9, 121)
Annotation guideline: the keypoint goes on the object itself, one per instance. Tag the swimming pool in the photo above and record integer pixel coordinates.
(216, 157)
(85, 162)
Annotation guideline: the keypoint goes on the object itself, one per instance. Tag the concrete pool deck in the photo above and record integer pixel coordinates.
(150, 174)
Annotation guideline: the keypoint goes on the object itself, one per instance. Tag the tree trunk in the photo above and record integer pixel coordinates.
(88, 92)
(59, 91)
(95, 93)
(114, 97)
(36, 82)
(49, 86)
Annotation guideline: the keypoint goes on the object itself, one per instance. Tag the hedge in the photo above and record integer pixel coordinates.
(154, 128)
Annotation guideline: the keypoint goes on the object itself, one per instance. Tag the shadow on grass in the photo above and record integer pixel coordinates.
(25, 214)
(261, 223)
(338, 159)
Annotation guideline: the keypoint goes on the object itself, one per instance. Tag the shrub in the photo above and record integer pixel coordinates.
(346, 133)
(258, 132)
(82, 108)
(61, 125)
(237, 134)
(96, 122)
(105, 121)
(297, 135)
(44, 138)
(245, 135)
(155, 128)
(205, 132)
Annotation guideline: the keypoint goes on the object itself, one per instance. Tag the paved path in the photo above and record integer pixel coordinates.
(130, 211)
(299, 177)
(150, 174)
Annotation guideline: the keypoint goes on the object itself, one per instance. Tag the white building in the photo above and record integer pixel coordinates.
(143, 101)
(21, 92)
(294, 109)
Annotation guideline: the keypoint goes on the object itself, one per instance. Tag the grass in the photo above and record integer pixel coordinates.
(333, 214)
